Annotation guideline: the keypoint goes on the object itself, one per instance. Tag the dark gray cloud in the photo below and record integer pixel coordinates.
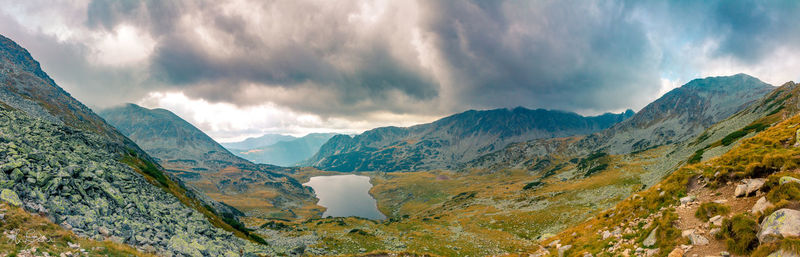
(551, 54)
(348, 58)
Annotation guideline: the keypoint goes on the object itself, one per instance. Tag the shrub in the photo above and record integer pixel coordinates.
(788, 191)
(667, 235)
(732, 137)
(791, 245)
(740, 233)
(532, 185)
(697, 156)
(709, 210)
(596, 169)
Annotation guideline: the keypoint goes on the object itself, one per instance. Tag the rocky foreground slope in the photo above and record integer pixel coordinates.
(450, 141)
(73, 177)
(64, 162)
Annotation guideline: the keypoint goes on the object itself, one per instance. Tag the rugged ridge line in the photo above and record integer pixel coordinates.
(452, 140)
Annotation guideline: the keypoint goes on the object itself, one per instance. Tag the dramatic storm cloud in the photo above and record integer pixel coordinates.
(242, 68)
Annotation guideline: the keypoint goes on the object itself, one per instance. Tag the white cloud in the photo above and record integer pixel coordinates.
(125, 45)
(227, 122)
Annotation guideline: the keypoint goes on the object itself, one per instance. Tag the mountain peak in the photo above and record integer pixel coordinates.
(735, 82)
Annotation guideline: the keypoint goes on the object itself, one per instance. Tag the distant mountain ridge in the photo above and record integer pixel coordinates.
(677, 116)
(282, 152)
(256, 142)
(445, 143)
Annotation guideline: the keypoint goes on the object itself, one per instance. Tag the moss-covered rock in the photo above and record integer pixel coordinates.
(10, 197)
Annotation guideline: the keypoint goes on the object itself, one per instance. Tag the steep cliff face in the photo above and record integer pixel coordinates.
(447, 142)
(63, 161)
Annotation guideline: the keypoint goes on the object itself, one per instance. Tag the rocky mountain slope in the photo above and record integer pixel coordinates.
(742, 203)
(447, 142)
(288, 152)
(674, 118)
(684, 112)
(175, 143)
(64, 162)
(203, 163)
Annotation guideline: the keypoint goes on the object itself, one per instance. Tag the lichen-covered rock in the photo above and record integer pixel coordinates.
(10, 197)
(787, 179)
(781, 223)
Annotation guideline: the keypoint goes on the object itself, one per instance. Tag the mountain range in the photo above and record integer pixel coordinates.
(445, 143)
(679, 115)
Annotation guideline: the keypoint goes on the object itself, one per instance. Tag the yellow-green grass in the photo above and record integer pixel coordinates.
(770, 153)
(475, 213)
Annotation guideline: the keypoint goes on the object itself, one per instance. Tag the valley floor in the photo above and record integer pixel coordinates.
(475, 213)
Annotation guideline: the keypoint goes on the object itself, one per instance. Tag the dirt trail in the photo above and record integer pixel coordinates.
(687, 220)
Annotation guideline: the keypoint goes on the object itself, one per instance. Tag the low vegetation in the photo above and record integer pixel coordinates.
(740, 234)
(711, 209)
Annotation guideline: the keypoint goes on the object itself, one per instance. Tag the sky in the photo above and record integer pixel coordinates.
(243, 68)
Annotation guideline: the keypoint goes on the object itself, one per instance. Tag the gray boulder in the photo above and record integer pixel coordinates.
(761, 205)
(781, 223)
(698, 239)
(651, 238)
(749, 187)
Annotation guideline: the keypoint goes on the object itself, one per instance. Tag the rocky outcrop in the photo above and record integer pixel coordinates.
(70, 175)
(748, 187)
(779, 224)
